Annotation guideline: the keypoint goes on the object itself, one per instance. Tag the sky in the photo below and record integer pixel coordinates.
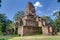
(43, 7)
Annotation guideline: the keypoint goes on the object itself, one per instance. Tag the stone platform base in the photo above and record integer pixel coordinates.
(29, 30)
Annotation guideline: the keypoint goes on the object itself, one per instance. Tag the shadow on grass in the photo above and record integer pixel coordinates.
(2, 39)
(7, 37)
(13, 36)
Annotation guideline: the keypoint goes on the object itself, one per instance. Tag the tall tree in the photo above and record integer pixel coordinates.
(47, 19)
(57, 14)
(4, 23)
(57, 20)
(19, 14)
(9, 22)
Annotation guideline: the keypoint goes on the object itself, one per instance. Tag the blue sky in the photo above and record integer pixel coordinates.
(43, 7)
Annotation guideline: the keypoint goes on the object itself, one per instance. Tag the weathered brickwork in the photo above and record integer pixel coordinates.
(33, 24)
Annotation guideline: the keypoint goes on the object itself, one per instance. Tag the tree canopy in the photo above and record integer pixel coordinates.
(57, 20)
(58, 0)
(4, 23)
(47, 19)
(57, 14)
(0, 3)
(19, 14)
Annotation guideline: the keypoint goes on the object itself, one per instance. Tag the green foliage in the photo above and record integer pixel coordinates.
(57, 14)
(47, 19)
(57, 20)
(0, 3)
(58, 0)
(2, 16)
(9, 22)
(19, 14)
(4, 23)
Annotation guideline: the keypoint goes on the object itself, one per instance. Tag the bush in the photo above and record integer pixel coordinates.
(2, 39)
(1, 33)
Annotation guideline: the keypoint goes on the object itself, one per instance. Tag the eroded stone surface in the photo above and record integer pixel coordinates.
(33, 24)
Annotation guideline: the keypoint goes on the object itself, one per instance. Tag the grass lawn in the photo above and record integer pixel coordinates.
(37, 38)
(33, 37)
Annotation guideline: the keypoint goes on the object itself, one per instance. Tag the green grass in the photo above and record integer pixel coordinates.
(32, 37)
(37, 38)
(7, 37)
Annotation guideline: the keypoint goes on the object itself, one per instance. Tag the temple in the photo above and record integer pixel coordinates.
(31, 24)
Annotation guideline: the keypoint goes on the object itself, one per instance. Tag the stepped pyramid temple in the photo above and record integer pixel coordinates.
(31, 24)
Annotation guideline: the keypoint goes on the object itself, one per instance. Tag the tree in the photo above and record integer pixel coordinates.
(47, 19)
(57, 20)
(0, 3)
(19, 14)
(58, 0)
(9, 22)
(4, 23)
(57, 14)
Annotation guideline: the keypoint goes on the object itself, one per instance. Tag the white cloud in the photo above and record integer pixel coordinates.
(55, 11)
(37, 4)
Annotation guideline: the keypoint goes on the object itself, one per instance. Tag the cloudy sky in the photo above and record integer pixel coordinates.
(43, 7)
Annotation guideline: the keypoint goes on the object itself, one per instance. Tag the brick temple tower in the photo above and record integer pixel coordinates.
(32, 24)
(30, 15)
